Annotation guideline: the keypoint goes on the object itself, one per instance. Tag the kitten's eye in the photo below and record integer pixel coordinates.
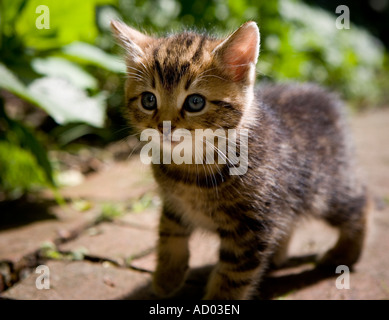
(149, 101)
(194, 103)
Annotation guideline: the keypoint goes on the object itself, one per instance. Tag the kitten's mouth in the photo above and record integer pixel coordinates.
(167, 141)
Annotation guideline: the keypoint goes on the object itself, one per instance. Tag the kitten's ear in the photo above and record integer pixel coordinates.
(239, 52)
(130, 39)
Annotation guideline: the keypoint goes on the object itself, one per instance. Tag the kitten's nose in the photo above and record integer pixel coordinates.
(168, 128)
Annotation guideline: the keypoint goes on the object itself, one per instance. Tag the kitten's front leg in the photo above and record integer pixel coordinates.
(173, 254)
(241, 264)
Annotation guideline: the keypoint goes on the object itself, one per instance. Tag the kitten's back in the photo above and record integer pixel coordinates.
(319, 164)
(306, 109)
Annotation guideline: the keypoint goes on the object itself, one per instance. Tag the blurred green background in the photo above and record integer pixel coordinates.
(61, 88)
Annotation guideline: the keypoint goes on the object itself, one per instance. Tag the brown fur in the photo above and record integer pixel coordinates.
(300, 159)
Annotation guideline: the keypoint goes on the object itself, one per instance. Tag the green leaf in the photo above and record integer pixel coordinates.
(9, 12)
(11, 83)
(70, 132)
(110, 211)
(67, 103)
(79, 253)
(29, 142)
(22, 144)
(58, 97)
(81, 205)
(19, 171)
(66, 20)
(62, 68)
(95, 56)
(143, 203)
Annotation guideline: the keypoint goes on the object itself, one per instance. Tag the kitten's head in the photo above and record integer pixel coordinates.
(193, 80)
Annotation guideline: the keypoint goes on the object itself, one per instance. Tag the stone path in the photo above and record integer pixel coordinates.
(105, 249)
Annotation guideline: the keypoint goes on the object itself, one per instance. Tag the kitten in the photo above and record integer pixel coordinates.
(300, 162)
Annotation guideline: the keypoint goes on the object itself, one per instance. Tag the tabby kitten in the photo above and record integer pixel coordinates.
(299, 158)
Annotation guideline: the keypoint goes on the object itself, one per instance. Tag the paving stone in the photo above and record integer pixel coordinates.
(370, 132)
(17, 241)
(311, 237)
(113, 242)
(80, 280)
(148, 219)
(119, 182)
(375, 258)
(362, 287)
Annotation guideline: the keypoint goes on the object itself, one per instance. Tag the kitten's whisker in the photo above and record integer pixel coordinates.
(136, 76)
(213, 178)
(143, 65)
(125, 139)
(228, 161)
(219, 152)
(217, 167)
(133, 150)
(239, 65)
(138, 73)
(206, 71)
(143, 72)
(204, 74)
(208, 76)
(258, 72)
(197, 169)
(122, 129)
(222, 155)
(229, 141)
(214, 76)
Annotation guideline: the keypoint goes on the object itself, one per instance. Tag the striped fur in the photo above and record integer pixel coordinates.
(300, 159)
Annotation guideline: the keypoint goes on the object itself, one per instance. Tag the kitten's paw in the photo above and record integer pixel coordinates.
(167, 284)
(335, 257)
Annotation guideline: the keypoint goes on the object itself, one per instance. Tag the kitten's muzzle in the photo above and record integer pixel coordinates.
(166, 130)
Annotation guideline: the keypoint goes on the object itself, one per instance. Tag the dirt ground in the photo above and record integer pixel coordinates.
(101, 245)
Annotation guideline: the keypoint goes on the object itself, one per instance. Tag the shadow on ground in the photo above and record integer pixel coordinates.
(24, 211)
(272, 286)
